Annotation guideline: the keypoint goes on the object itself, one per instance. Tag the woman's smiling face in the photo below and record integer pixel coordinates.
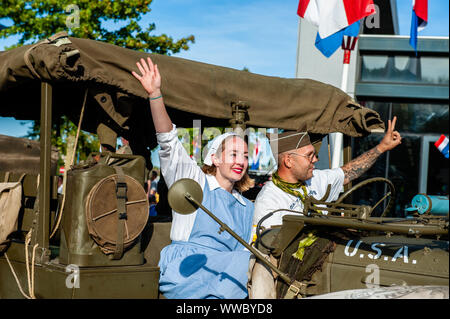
(232, 162)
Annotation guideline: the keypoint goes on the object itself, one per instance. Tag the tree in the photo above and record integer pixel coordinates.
(61, 130)
(35, 20)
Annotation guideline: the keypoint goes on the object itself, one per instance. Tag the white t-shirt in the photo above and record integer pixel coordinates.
(271, 197)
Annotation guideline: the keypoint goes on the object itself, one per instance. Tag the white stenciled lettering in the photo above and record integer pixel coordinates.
(355, 250)
(378, 250)
(402, 252)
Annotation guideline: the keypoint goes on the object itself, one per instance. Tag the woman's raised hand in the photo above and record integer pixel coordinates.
(150, 77)
(151, 81)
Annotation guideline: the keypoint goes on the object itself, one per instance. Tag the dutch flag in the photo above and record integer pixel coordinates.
(442, 145)
(334, 19)
(419, 20)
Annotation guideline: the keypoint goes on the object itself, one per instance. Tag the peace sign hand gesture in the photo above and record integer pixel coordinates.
(149, 78)
(391, 139)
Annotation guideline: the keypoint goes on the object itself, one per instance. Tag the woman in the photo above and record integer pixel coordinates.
(202, 262)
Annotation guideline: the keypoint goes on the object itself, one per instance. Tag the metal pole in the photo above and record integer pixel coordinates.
(45, 161)
(372, 223)
(386, 167)
(337, 138)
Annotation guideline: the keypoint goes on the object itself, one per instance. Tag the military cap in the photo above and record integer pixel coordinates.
(292, 140)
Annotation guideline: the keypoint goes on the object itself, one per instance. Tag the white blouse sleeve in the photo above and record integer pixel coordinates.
(174, 160)
(176, 164)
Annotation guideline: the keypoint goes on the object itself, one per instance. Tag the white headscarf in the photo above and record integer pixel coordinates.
(215, 144)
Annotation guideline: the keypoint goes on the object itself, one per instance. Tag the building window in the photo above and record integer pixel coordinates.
(404, 69)
(419, 118)
(410, 170)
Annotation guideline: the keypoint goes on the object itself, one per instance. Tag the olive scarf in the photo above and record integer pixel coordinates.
(291, 188)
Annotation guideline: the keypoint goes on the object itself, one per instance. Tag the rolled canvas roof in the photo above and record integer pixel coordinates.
(192, 90)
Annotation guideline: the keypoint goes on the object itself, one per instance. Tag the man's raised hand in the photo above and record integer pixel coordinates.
(391, 139)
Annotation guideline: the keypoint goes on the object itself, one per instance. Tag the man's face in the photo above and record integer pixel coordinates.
(302, 162)
(232, 162)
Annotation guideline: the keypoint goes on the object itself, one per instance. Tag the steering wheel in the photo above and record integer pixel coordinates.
(390, 193)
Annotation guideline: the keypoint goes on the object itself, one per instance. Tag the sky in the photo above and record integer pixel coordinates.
(260, 35)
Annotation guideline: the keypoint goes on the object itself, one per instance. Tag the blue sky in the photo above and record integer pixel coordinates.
(258, 34)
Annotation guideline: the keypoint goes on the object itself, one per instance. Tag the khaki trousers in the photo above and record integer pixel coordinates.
(261, 281)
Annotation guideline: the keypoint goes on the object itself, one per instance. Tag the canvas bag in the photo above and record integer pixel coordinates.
(10, 203)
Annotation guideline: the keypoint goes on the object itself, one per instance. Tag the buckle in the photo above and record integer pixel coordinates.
(123, 215)
(121, 190)
(120, 185)
(294, 289)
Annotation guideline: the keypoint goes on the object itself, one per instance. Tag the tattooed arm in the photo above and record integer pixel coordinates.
(362, 163)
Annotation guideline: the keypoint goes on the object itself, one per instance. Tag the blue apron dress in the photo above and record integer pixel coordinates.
(209, 264)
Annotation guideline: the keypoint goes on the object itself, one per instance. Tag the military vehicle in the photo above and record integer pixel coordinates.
(98, 241)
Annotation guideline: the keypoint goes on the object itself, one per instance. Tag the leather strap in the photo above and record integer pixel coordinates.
(121, 193)
(295, 290)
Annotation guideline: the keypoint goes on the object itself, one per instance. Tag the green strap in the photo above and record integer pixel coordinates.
(305, 242)
(121, 194)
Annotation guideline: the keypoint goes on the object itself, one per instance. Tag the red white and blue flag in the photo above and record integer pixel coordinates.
(334, 19)
(442, 145)
(419, 20)
(255, 157)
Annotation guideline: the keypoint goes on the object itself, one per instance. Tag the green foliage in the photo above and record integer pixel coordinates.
(34, 20)
(87, 143)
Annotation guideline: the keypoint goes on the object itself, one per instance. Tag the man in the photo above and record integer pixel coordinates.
(296, 174)
(296, 177)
